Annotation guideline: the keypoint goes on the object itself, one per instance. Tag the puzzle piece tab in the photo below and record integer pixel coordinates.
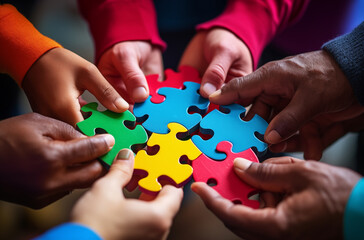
(167, 160)
(227, 125)
(172, 79)
(222, 173)
(114, 124)
(175, 108)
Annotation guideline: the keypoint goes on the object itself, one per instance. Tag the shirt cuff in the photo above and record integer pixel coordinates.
(354, 214)
(69, 231)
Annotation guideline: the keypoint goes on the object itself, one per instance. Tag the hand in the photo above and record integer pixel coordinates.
(56, 80)
(125, 65)
(105, 209)
(219, 56)
(294, 93)
(43, 159)
(315, 196)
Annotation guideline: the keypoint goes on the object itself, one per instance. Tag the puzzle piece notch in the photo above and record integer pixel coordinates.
(228, 184)
(175, 108)
(227, 125)
(114, 124)
(166, 163)
(172, 79)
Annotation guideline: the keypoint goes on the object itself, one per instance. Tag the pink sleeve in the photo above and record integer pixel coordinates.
(113, 21)
(256, 22)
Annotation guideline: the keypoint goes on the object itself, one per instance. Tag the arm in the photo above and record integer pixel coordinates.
(17, 38)
(257, 22)
(127, 43)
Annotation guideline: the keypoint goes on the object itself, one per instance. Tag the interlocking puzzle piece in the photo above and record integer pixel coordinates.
(175, 108)
(167, 160)
(172, 79)
(114, 124)
(222, 173)
(227, 125)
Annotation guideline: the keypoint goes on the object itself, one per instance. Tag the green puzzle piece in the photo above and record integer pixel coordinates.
(114, 124)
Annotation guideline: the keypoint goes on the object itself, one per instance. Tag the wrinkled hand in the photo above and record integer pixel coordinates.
(307, 93)
(125, 65)
(315, 196)
(43, 159)
(105, 209)
(56, 80)
(219, 56)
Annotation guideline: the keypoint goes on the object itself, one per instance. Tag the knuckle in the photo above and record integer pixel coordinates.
(217, 73)
(108, 91)
(90, 69)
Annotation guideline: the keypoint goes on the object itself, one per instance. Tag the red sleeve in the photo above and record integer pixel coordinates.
(256, 22)
(113, 21)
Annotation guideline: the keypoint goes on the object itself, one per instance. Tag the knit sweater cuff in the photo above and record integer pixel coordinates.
(348, 52)
(20, 43)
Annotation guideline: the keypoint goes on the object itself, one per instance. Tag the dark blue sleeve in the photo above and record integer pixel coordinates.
(69, 231)
(348, 52)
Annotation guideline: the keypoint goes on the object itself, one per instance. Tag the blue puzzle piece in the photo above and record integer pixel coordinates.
(230, 127)
(173, 109)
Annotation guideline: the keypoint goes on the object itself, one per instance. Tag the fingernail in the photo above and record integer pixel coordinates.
(214, 94)
(139, 92)
(123, 154)
(208, 88)
(273, 137)
(109, 139)
(242, 163)
(121, 103)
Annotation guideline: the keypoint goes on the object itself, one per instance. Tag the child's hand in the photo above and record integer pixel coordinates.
(105, 209)
(43, 159)
(125, 65)
(56, 80)
(311, 205)
(219, 56)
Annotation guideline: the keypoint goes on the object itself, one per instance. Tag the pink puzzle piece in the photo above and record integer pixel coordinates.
(221, 173)
(173, 80)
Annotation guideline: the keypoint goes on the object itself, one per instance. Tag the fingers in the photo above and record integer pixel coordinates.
(216, 73)
(82, 176)
(270, 177)
(85, 149)
(104, 92)
(244, 221)
(128, 65)
(121, 170)
(169, 200)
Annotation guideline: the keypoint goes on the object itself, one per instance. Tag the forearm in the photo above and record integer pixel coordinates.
(348, 52)
(20, 43)
(257, 22)
(111, 22)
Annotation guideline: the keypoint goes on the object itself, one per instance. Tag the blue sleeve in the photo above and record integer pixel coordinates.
(354, 213)
(69, 231)
(348, 52)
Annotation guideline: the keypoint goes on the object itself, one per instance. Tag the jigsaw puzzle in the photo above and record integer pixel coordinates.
(114, 124)
(222, 173)
(172, 79)
(175, 108)
(227, 125)
(166, 162)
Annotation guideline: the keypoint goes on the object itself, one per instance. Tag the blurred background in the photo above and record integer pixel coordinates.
(61, 21)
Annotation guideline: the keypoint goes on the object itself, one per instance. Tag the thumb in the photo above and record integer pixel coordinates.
(268, 176)
(121, 170)
(216, 73)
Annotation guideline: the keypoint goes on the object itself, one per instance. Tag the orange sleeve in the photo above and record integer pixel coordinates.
(20, 43)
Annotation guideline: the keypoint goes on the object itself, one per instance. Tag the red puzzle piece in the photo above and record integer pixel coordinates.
(173, 80)
(228, 184)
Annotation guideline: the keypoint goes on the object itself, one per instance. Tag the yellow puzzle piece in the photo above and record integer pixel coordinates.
(167, 161)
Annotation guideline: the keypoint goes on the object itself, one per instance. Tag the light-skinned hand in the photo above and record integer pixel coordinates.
(43, 159)
(105, 209)
(56, 80)
(307, 94)
(125, 65)
(314, 196)
(219, 55)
